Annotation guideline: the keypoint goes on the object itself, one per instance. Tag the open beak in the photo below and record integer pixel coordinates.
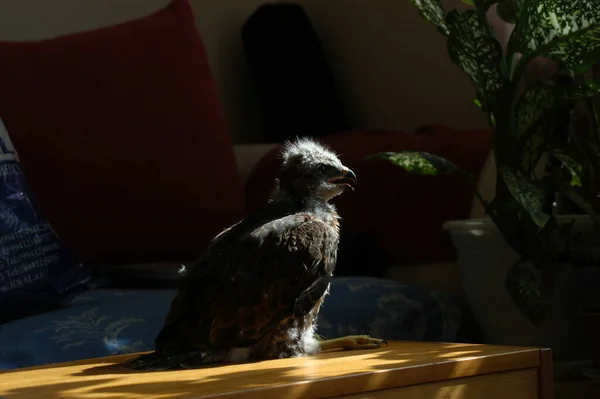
(347, 179)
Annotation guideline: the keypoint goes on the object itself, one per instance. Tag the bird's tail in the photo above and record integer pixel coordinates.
(155, 362)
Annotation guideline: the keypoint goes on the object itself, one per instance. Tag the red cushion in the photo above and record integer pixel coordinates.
(404, 212)
(122, 137)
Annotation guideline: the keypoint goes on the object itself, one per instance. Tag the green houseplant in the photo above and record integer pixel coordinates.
(544, 160)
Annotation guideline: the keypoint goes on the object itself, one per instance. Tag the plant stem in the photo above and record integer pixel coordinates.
(470, 182)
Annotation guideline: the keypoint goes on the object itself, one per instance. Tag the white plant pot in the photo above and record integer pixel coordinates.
(484, 259)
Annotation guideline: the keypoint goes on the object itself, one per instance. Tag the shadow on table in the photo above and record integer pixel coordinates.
(258, 382)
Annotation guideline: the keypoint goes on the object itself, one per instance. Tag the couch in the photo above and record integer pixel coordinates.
(139, 174)
(116, 319)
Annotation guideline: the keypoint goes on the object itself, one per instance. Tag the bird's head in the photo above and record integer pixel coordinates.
(310, 169)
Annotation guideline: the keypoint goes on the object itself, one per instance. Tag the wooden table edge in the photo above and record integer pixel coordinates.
(546, 374)
(322, 385)
(362, 382)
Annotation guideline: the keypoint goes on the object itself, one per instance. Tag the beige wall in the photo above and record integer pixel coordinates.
(392, 67)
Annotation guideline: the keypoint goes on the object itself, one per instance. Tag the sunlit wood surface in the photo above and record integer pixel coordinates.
(368, 373)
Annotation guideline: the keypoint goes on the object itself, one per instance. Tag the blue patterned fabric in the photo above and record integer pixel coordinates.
(104, 322)
(36, 271)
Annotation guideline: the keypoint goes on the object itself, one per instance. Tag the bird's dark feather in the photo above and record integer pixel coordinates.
(256, 290)
(273, 266)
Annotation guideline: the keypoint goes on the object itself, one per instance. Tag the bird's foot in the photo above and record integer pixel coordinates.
(352, 342)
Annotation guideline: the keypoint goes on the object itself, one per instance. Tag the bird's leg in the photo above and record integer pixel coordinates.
(351, 342)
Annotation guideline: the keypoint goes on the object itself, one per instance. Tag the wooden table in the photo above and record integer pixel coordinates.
(407, 370)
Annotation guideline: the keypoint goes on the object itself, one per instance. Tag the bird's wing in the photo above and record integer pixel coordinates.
(250, 281)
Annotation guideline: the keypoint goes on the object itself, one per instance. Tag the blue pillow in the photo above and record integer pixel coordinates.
(36, 272)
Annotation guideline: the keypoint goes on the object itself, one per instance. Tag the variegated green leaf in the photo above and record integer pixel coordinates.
(533, 105)
(523, 288)
(480, 2)
(505, 212)
(432, 11)
(545, 97)
(422, 163)
(473, 49)
(587, 89)
(537, 105)
(534, 145)
(566, 31)
(575, 168)
(578, 197)
(527, 194)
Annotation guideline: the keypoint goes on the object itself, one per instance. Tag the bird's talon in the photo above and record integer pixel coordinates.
(366, 342)
(353, 342)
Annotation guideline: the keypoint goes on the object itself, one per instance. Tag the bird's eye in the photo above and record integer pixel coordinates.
(323, 168)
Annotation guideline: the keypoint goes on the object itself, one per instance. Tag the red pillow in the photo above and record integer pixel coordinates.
(403, 212)
(122, 137)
